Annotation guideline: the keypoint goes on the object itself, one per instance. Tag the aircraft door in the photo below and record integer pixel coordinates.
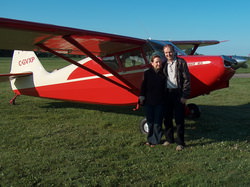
(133, 65)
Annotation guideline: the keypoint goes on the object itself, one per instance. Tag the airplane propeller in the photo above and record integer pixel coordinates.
(235, 62)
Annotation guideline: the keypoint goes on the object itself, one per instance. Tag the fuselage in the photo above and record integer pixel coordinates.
(75, 84)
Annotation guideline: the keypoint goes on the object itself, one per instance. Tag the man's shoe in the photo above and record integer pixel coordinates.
(179, 147)
(166, 143)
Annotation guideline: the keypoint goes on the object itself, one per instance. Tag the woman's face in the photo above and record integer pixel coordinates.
(156, 63)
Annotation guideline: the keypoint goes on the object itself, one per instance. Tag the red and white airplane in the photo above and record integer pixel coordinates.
(111, 73)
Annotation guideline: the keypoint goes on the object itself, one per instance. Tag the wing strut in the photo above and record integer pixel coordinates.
(42, 46)
(194, 49)
(71, 40)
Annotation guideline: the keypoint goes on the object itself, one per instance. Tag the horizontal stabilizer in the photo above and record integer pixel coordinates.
(8, 76)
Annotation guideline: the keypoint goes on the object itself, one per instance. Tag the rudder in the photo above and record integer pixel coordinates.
(26, 61)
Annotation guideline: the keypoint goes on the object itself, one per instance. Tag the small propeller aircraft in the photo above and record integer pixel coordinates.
(111, 73)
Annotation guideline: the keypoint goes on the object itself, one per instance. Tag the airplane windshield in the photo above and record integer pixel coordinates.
(158, 45)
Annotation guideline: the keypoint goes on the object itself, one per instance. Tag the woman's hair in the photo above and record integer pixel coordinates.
(154, 56)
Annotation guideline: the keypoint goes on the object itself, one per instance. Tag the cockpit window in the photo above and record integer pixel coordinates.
(111, 62)
(132, 58)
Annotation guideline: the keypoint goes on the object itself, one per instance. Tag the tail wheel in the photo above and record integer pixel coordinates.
(144, 126)
(193, 111)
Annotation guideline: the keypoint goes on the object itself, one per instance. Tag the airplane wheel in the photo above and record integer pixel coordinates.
(144, 126)
(193, 111)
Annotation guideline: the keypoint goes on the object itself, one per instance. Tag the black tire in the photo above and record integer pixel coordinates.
(143, 126)
(193, 111)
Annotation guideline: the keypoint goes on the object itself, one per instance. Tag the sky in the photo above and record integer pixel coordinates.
(221, 20)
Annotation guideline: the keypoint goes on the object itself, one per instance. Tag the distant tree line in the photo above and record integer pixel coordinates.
(9, 53)
(6, 53)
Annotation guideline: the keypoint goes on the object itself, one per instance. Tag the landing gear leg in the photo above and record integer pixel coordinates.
(13, 100)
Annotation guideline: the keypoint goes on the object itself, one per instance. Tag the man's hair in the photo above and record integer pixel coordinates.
(169, 46)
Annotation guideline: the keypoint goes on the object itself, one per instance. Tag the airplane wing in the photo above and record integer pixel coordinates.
(23, 35)
(7, 77)
(189, 47)
(30, 36)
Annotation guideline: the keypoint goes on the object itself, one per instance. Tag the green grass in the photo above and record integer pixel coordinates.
(245, 70)
(55, 143)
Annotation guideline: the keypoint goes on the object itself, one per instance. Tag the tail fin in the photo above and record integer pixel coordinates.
(26, 61)
(26, 71)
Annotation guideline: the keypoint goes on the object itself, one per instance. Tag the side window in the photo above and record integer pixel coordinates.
(148, 51)
(111, 62)
(132, 58)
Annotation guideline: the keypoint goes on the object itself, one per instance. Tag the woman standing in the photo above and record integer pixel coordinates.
(152, 98)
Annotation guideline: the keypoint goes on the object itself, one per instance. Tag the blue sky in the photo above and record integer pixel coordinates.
(157, 19)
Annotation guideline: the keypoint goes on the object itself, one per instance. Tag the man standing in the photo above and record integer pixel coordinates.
(177, 90)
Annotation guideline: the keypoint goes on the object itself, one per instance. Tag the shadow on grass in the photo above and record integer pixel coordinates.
(220, 123)
(104, 108)
(216, 124)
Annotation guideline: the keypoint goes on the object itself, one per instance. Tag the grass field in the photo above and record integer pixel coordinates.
(245, 70)
(56, 143)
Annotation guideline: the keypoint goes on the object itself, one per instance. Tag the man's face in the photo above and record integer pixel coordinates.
(169, 53)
